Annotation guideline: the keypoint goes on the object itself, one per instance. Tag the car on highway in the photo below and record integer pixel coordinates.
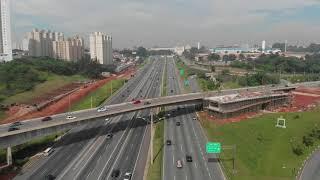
(168, 142)
(115, 173)
(146, 103)
(13, 128)
(50, 177)
(102, 109)
(127, 176)
(178, 123)
(109, 136)
(189, 158)
(179, 164)
(171, 91)
(16, 124)
(71, 117)
(194, 119)
(48, 118)
(137, 102)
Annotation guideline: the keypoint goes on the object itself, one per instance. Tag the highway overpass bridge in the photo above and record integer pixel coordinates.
(34, 128)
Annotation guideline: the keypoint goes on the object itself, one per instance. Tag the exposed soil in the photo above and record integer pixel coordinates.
(303, 99)
(22, 111)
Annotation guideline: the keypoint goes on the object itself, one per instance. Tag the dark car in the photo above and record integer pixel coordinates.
(50, 177)
(171, 91)
(169, 142)
(109, 136)
(15, 124)
(13, 129)
(115, 173)
(188, 158)
(178, 123)
(47, 119)
(147, 103)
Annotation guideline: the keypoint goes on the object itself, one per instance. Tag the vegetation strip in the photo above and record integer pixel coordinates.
(263, 151)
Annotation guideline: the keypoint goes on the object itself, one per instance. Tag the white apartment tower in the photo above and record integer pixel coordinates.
(71, 49)
(5, 31)
(101, 48)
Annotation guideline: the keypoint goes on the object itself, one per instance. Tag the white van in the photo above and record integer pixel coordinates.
(48, 151)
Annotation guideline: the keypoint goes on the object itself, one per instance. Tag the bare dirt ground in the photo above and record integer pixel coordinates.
(303, 99)
(22, 111)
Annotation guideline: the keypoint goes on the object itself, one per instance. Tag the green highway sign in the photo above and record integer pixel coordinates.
(213, 147)
(181, 72)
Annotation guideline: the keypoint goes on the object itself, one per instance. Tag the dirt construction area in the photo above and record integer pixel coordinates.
(78, 91)
(303, 99)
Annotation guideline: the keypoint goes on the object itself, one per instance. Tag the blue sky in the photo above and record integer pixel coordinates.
(174, 22)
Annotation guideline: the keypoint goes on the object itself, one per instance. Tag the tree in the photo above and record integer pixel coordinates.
(232, 57)
(142, 52)
(242, 57)
(297, 150)
(213, 69)
(213, 57)
(307, 140)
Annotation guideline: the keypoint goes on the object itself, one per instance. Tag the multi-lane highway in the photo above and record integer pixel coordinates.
(187, 139)
(88, 153)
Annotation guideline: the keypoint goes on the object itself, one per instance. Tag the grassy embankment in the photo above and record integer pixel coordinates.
(99, 96)
(263, 151)
(155, 170)
(52, 83)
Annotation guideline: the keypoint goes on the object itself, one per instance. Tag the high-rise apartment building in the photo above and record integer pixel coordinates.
(101, 48)
(5, 31)
(71, 49)
(41, 43)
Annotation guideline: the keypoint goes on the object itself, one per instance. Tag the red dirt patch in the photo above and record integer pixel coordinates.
(22, 112)
(303, 99)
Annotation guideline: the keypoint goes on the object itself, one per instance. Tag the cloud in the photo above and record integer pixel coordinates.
(165, 22)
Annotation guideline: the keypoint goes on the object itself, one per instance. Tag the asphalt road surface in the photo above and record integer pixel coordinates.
(311, 171)
(187, 139)
(86, 152)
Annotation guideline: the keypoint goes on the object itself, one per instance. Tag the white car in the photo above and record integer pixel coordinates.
(71, 117)
(127, 176)
(102, 109)
(179, 164)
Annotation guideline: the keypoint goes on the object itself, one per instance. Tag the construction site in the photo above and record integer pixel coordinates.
(233, 105)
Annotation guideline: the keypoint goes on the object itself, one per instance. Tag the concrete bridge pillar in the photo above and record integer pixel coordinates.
(9, 156)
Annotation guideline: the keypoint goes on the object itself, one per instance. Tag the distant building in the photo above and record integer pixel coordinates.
(5, 31)
(71, 49)
(40, 42)
(101, 48)
(44, 43)
(263, 46)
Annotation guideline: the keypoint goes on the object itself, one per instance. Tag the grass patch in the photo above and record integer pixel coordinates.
(52, 83)
(21, 153)
(265, 152)
(231, 85)
(155, 170)
(98, 96)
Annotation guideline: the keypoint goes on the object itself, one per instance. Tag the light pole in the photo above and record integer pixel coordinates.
(151, 131)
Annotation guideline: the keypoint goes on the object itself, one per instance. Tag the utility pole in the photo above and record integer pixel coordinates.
(69, 102)
(111, 87)
(151, 131)
(91, 102)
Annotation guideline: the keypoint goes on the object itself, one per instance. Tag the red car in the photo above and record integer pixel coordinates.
(137, 102)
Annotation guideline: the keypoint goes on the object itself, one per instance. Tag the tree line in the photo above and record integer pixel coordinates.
(23, 74)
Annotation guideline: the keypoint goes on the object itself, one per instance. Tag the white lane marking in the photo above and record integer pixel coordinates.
(195, 164)
(88, 174)
(105, 166)
(181, 148)
(186, 177)
(135, 164)
(174, 177)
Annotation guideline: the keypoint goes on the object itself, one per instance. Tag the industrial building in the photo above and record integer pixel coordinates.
(228, 106)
